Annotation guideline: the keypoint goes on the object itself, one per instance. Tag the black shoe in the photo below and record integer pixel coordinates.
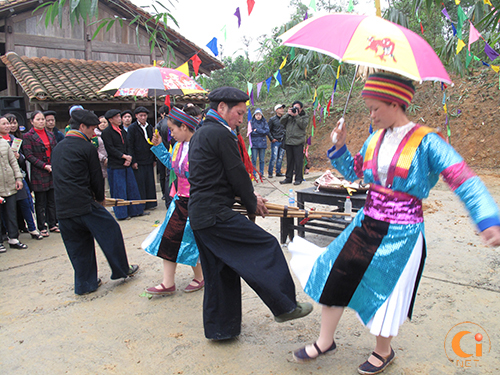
(269, 176)
(279, 174)
(302, 309)
(132, 270)
(297, 182)
(19, 246)
(286, 182)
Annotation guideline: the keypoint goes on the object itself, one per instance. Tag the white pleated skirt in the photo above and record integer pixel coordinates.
(393, 313)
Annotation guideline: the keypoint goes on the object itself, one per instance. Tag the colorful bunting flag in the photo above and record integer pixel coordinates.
(455, 32)
(461, 19)
(167, 101)
(249, 88)
(196, 63)
(350, 8)
(457, 2)
(224, 32)
(292, 53)
(312, 5)
(473, 34)
(238, 15)
(250, 4)
(468, 58)
(277, 76)
(306, 16)
(445, 12)
(490, 52)
(476, 58)
(212, 45)
(496, 68)
(283, 63)
(259, 87)
(268, 83)
(251, 98)
(460, 45)
(488, 2)
(184, 68)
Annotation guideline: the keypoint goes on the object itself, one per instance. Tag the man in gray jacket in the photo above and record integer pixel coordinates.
(295, 122)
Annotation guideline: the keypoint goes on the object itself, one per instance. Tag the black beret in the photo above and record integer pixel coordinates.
(49, 113)
(141, 109)
(228, 94)
(127, 111)
(85, 117)
(111, 113)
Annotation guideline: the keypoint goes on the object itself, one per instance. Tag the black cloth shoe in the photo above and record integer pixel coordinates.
(132, 269)
(297, 182)
(302, 309)
(286, 182)
(279, 174)
(368, 368)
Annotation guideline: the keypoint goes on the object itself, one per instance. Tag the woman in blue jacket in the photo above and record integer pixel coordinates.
(258, 140)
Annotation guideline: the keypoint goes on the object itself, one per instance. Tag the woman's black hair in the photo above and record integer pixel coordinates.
(193, 110)
(34, 113)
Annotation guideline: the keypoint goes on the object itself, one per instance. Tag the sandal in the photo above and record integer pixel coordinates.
(36, 235)
(55, 229)
(368, 368)
(161, 291)
(193, 288)
(302, 356)
(18, 246)
(44, 233)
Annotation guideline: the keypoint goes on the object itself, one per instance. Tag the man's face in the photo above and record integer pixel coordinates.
(280, 111)
(233, 116)
(127, 119)
(88, 130)
(115, 120)
(297, 105)
(141, 118)
(50, 122)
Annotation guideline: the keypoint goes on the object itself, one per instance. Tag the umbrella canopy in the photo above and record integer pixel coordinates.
(370, 41)
(142, 82)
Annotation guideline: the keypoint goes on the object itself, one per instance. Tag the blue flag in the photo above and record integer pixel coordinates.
(268, 83)
(213, 46)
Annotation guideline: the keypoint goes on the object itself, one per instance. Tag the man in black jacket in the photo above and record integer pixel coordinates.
(79, 193)
(231, 246)
(142, 158)
(276, 136)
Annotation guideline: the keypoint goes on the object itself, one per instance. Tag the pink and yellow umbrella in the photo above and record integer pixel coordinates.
(370, 41)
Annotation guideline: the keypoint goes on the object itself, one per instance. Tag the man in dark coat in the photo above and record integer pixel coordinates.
(277, 137)
(79, 191)
(295, 122)
(143, 159)
(230, 245)
(50, 124)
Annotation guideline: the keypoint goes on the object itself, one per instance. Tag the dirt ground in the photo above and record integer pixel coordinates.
(46, 329)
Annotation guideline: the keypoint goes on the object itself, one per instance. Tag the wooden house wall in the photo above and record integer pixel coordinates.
(31, 38)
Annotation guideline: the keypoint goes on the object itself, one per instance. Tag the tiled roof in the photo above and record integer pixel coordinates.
(62, 80)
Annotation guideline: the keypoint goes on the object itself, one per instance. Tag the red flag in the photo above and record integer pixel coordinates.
(196, 63)
(250, 4)
(314, 121)
(167, 101)
(328, 106)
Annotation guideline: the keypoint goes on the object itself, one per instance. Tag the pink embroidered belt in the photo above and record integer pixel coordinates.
(393, 207)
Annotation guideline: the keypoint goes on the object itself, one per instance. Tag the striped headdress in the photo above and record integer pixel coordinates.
(389, 88)
(183, 117)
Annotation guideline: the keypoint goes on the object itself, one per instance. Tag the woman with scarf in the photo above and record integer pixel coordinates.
(174, 241)
(258, 140)
(37, 147)
(375, 264)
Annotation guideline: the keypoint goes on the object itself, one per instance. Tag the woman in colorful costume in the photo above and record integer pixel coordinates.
(375, 264)
(174, 241)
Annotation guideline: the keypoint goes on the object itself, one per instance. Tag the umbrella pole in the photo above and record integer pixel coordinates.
(341, 121)
(350, 90)
(156, 111)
